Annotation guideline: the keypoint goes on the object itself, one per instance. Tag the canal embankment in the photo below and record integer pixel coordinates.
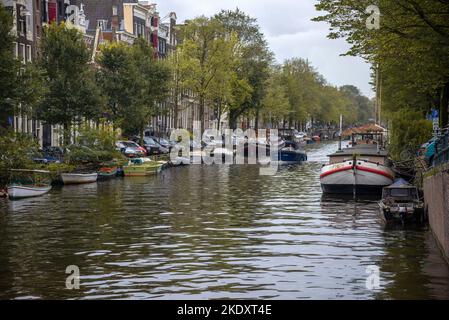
(436, 196)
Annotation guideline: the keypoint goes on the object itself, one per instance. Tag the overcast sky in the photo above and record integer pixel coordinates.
(290, 33)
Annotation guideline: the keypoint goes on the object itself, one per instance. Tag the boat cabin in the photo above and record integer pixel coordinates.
(401, 192)
(364, 146)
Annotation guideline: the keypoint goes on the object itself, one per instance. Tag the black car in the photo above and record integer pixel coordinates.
(164, 143)
(153, 147)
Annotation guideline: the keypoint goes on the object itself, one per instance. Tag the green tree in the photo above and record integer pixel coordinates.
(73, 95)
(151, 87)
(206, 51)
(275, 104)
(116, 77)
(177, 82)
(409, 50)
(365, 108)
(15, 149)
(9, 67)
(254, 62)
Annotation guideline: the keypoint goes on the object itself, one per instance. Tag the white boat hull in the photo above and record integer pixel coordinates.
(364, 177)
(79, 178)
(20, 192)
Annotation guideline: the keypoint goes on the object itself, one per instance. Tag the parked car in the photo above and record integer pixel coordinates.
(152, 146)
(49, 155)
(162, 142)
(131, 149)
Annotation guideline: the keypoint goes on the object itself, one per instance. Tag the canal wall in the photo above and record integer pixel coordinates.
(436, 197)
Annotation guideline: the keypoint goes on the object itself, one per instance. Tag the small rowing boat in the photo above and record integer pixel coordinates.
(106, 173)
(79, 178)
(28, 183)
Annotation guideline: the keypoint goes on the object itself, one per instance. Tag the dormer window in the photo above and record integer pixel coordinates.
(102, 24)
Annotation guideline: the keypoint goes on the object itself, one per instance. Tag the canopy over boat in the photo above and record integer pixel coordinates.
(367, 128)
(400, 183)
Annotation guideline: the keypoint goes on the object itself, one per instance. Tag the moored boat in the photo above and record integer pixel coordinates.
(79, 178)
(143, 167)
(291, 153)
(28, 183)
(106, 173)
(363, 168)
(401, 203)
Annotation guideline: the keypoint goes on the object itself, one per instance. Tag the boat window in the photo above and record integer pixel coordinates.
(399, 192)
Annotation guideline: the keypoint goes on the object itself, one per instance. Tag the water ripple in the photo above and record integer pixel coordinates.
(212, 232)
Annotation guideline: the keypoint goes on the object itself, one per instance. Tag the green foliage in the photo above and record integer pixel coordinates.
(309, 96)
(8, 67)
(207, 61)
(72, 90)
(93, 146)
(275, 104)
(409, 50)
(116, 78)
(135, 84)
(409, 131)
(16, 152)
(56, 169)
(253, 63)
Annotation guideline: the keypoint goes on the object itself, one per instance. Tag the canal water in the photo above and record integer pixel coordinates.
(213, 232)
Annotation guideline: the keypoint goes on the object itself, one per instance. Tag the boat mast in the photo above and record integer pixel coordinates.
(341, 130)
(378, 105)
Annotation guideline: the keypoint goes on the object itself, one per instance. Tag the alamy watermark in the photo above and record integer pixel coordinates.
(372, 282)
(373, 21)
(73, 280)
(228, 147)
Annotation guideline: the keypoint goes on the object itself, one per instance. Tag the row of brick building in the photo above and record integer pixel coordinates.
(101, 21)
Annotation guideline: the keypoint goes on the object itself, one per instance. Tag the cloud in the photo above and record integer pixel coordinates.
(290, 33)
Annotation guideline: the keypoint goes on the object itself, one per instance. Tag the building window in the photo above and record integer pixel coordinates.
(102, 24)
(21, 26)
(29, 53)
(16, 50)
(61, 8)
(44, 14)
(22, 54)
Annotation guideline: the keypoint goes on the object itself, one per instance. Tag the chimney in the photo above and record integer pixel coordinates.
(115, 23)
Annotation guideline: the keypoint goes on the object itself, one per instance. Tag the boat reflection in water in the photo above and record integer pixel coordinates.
(212, 232)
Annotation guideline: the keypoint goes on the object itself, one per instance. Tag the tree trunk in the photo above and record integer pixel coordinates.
(233, 119)
(175, 111)
(444, 106)
(219, 118)
(202, 114)
(142, 133)
(256, 122)
(66, 134)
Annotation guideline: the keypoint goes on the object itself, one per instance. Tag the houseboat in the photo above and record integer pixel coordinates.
(362, 168)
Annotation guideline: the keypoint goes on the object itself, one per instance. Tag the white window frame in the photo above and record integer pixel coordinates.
(29, 53)
(22, 49)
(16, 50)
